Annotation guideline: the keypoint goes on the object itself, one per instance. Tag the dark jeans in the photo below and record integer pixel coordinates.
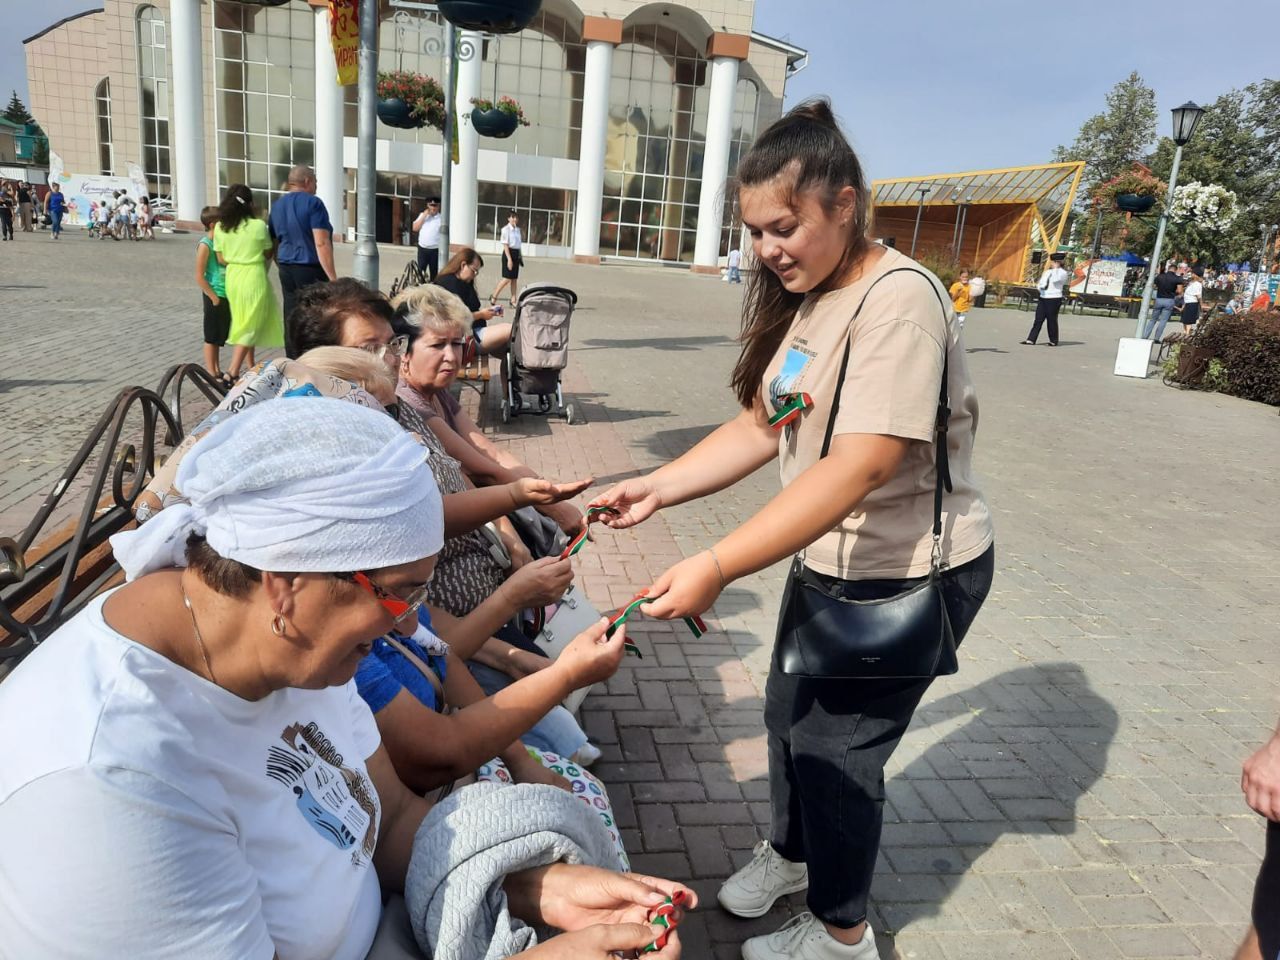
(1266, 896)
(56, 217)
(6, 223)
(295, 277)
(828, 743)
(429, 261)
(1046, 310)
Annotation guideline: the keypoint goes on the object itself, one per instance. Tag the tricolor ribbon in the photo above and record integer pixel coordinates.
(694, 623)
(595, 512)
(793, 404)
(664, 915)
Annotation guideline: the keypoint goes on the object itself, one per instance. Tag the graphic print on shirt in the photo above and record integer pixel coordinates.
(790, 378)
(339, 803)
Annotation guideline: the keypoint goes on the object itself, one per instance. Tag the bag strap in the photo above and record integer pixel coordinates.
(424, 668)
(942, 466)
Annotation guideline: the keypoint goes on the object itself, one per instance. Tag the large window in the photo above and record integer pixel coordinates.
(153, 90)
(264, 102)
(543, 68)
(106, 151)
(746, 112)
(654, 147)
(546, 214)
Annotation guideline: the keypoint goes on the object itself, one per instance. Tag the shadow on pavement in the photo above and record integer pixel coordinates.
(667, 343)
(7, 385)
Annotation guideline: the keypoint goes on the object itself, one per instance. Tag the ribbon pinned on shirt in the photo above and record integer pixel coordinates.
(793, 404)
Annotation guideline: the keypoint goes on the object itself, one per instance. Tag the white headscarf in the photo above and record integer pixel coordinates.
(298, 485)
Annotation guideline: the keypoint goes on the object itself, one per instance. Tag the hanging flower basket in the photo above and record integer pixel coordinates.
(496, 120)
(1134, 202)
(410, 100)
(490, 16)
(395, 112)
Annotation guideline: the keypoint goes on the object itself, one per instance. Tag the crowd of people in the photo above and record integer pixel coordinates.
(313, 721)
(116, 216)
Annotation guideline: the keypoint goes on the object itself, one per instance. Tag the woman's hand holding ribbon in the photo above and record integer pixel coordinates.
(688, 589)
(633, 502)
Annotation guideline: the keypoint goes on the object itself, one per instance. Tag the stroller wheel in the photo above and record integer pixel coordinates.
(544, 402)
(506, 411)
(568, 413)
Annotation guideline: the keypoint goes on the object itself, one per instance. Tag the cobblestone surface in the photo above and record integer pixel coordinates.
(1072, 792)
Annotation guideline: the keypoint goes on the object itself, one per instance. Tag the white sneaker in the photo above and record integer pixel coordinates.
(586, 755)
(752, 890)
(805, 938)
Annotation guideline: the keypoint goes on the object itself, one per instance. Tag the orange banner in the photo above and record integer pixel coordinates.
(344, 36)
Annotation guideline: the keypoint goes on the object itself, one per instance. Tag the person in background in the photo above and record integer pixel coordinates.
(211, 278)
(512, 261)
(1166, 284)
(102, 214)
(8, 202)
(24, 206)
(1052, 285)
(145, 219)
(459, 278)
(1192, 294)
(1260, 783)
(735, 265)
(960, 300)
(428, 226)
(303, 233)
(1262, 301)
(55, 205)
(244, 247)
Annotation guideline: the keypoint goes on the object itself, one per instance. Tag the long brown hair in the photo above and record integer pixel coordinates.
(465, 255)
(807, 147)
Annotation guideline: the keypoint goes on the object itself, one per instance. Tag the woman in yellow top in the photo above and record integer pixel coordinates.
(243, 244)
(960, 299)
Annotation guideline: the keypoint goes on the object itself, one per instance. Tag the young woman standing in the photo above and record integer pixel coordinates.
(244, 247)
(860, 517)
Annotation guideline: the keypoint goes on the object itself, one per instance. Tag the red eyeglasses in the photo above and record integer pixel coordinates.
(398, 607)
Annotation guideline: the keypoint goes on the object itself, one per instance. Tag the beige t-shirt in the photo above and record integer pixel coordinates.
(891, 388)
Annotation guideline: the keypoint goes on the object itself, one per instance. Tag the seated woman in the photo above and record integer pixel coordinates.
(473, 597)
(197, 774)
(459, 278)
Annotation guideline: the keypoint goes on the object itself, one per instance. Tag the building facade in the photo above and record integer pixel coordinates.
(638, 113)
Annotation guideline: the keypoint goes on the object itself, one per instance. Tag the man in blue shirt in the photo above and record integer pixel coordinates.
(301, 227)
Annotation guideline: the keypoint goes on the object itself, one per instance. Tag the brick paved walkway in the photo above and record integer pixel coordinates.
(1073, 792)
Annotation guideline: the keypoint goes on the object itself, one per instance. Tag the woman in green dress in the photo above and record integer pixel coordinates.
(242, 242)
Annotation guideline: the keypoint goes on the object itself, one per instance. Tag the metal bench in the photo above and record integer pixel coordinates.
(46, 577)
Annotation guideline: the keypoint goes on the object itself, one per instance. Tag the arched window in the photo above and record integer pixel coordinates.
(153, 92)
(655, 142)
(106, 149)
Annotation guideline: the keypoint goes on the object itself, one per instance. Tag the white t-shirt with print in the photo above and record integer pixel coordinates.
(1193, 292)
(149, 813)
(511, 236)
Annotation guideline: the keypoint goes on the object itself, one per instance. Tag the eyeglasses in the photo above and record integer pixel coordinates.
(398, 607)
(396, 347)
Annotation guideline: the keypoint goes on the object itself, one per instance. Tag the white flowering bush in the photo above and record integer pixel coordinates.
(1209, 205)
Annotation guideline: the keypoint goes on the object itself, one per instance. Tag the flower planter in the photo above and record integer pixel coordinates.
(394, 112)
(1134, 202)
(494, 123)
(490, 16)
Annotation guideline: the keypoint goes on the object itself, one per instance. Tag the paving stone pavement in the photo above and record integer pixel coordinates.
(1072, 792)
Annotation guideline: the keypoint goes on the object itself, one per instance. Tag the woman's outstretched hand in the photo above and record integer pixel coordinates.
(686, 590)
(536, 492)
(634, 500)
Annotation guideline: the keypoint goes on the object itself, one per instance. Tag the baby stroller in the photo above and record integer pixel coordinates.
(539, 351)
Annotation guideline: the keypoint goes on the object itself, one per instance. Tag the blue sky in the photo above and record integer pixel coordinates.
(937, 86)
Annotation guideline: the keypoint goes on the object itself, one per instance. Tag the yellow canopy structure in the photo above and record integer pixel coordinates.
(989, 220)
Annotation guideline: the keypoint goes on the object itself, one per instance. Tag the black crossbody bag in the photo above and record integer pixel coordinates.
(909, 635)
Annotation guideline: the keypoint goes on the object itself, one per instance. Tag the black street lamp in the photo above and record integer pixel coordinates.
(915, 234)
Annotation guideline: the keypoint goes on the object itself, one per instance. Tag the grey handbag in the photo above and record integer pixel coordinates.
(822, 634)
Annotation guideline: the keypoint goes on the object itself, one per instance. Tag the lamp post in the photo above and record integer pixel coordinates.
(1097, 244)
(1185, 120)
(364, 259)
(915, 234)
(962, 217)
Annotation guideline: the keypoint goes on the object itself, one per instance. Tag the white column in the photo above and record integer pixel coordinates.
(715, 161)
(331, 174)
(186, 59)
(595, 129)
(464, 187)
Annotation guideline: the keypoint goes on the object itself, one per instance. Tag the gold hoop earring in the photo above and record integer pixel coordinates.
(278, 625)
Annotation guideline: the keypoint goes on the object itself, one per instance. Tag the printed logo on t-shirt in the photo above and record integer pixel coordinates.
(339, 803)
(790, 377)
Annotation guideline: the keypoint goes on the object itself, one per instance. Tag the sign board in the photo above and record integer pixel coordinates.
(84, 192)
(1105, 279)
(344, 36)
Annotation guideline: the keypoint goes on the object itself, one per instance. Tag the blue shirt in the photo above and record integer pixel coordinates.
(292, 219)
(57, 201)
(385, 672)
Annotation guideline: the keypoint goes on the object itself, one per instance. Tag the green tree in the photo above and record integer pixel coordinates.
(1109, 142)
(16, 111)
